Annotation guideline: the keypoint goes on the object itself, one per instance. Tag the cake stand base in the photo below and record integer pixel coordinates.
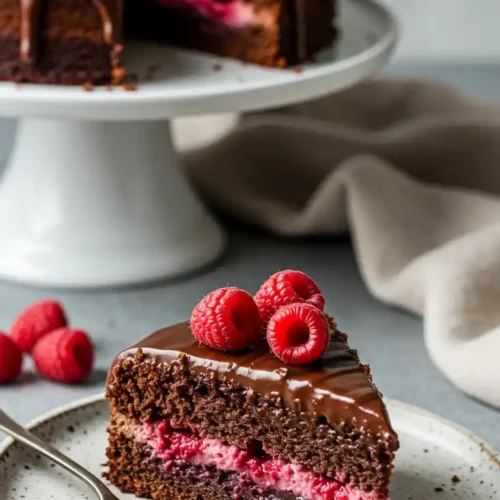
(90, 204)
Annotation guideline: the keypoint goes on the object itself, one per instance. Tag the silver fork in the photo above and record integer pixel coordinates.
(21, 434)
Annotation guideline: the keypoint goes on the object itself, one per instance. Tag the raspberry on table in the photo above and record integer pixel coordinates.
(226, 319)
(65, 355)
(37, 321)
(11, 359)
(284, 288)
(298, 334)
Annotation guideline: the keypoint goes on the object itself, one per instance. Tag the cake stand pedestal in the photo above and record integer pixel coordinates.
(93, 194)
(99, 203)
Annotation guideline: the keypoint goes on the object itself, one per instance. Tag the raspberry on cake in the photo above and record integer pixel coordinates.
(190, 421)
(81, 41)
(226, 319)
(287, 287)
(298, 334)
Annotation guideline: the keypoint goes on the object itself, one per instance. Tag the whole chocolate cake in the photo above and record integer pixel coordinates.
(82, 41)
(197, 414)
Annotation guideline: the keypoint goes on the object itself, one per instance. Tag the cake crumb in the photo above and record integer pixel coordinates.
(217, 67)
(281, 63)
(299, 70)
(426, 450)
(438, 489)
(332, 324)
(151, 72)
(117, 75)
(455, 479)
(88, 87)
(129, 87)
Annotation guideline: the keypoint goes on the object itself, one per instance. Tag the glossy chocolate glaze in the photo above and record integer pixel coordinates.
(31, 12)
(337, 386)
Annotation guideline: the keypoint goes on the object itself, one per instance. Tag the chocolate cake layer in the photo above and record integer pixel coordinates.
(333, 418)
(132, 470)
(337, 386)
(60, 41)
(67, 62)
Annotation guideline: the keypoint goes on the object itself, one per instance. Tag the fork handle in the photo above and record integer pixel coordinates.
(26, 437)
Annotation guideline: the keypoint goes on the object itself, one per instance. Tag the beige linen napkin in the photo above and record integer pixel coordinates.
(412, 170)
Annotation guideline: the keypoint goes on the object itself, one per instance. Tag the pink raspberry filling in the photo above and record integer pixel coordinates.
(234, 13)
(171, 443)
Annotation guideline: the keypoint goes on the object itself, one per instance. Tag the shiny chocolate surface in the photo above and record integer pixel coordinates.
(337, 386)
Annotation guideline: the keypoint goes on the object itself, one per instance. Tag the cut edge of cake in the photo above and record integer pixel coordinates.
(76, 42)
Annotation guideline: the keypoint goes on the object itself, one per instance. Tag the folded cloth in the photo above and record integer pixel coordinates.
(412, 170)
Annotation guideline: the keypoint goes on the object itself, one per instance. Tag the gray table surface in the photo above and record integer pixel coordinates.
(389, 339)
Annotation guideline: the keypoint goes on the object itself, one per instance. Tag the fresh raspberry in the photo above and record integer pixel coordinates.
(36, 321)
(64, 355)
(11, 359)
(226, 319)
(287, 287)
(298, 334)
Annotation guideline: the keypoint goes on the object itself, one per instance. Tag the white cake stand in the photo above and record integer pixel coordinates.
(93, 194)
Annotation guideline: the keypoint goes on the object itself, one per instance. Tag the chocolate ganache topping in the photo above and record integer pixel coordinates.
(31, 13)
(337, 386)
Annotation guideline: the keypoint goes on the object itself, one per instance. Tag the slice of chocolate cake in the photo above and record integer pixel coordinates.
(189, 421)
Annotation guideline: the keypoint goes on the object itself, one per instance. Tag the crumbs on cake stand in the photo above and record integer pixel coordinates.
(130, 82)
(151, 72)
(126, 86)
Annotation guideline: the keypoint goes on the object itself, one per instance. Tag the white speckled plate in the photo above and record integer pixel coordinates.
(433, 451)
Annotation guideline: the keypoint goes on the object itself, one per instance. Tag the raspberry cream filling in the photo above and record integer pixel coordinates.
(172, 444)
(233, 13)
